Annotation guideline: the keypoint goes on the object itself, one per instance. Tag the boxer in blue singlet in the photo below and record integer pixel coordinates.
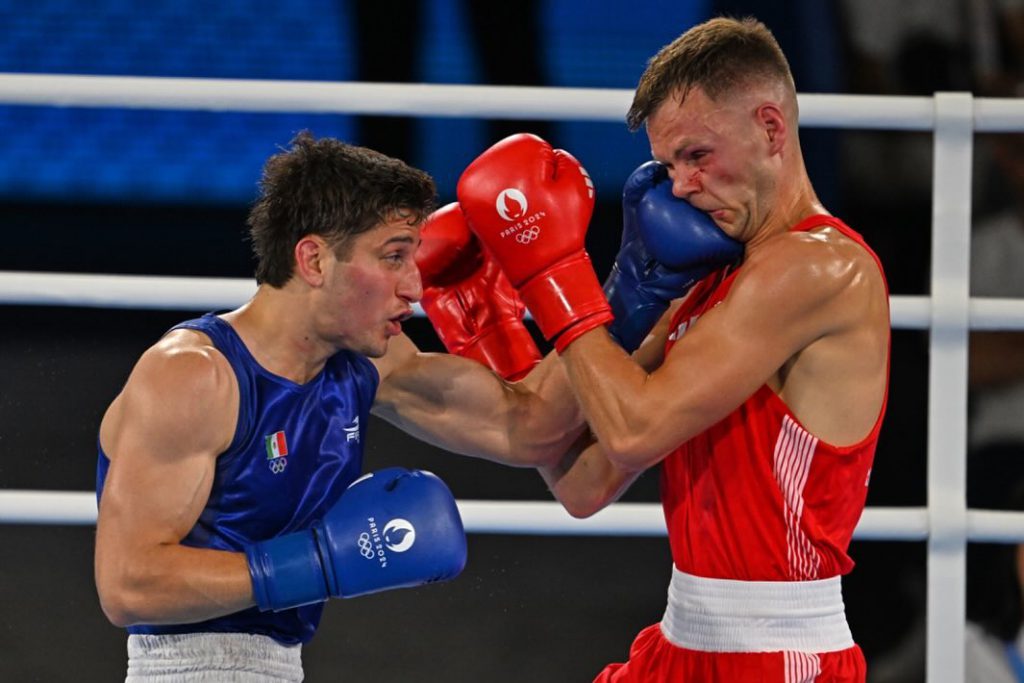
(231, 505)
(309, 434)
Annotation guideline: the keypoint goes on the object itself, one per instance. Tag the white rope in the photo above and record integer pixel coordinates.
(472, 101)
(124, 291)
(995, 526)
(221, 94)
(47, 507)
(549, 518)
(208, 293)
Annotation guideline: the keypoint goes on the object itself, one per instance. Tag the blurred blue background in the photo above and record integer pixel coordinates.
(168, 157)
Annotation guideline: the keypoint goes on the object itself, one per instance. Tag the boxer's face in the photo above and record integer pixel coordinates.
(716, 157)
(370, 290)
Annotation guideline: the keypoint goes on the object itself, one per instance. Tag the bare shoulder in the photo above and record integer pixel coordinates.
(182, 388)
(189, 362)
(824, 301)
(813, 267)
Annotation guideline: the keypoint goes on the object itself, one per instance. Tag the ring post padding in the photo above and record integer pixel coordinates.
(947, 388)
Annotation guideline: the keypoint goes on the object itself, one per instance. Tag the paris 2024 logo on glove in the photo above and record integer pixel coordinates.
(511, 205)
(398, 535)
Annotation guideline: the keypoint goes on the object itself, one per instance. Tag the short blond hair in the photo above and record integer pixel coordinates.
(719, 56)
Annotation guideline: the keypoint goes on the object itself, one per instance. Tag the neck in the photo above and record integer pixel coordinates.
(794, 201)
(279, 331)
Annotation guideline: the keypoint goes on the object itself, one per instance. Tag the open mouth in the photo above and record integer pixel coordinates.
(395, 324)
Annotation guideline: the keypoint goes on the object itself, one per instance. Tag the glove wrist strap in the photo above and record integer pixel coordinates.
(286, 572)
(564, 295)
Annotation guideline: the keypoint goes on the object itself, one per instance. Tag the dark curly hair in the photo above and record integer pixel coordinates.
(333, 189)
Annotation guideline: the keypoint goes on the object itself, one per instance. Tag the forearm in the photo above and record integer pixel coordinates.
(584, 480)
(609, 386)
(172, 584)
(461, 406)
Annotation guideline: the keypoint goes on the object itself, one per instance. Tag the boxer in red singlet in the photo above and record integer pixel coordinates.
(761, 391)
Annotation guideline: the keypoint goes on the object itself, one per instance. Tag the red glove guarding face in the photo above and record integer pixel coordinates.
(473, 307)
(530, 206)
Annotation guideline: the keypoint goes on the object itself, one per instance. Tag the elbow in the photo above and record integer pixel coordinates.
(582, 509)
(584, 502)
(118, 619)
(117, 608)
(122, 605)
(631, 450)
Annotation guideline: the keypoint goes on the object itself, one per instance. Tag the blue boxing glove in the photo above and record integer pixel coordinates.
(391, 529)
(667, 246)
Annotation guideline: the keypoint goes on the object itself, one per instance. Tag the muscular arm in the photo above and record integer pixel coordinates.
(162, 434)
(584, 480)
(786, 298)
(461, 406)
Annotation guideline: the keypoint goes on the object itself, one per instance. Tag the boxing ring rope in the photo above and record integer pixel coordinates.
(469, 101)
(946, 524)
(156, 292)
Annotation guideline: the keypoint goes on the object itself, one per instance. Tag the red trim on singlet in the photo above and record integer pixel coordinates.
(757, 496)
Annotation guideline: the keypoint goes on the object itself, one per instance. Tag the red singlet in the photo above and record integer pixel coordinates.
(756, 498)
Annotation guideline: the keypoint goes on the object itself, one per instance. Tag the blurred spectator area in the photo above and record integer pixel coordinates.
(167, 157)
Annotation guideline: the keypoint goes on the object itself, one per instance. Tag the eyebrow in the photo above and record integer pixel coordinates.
(684, 148)
(676, 154)
(399, 239)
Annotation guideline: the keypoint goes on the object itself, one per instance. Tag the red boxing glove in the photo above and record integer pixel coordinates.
(473, 307)
(530, 206)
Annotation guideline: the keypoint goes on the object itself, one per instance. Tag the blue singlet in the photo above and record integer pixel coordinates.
(296, 448)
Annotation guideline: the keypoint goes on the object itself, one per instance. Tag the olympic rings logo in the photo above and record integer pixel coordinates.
(277, 465)
(528, 235)
(365, 547)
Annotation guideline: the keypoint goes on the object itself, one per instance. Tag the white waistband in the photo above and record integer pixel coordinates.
(213, 657)
(724, 615)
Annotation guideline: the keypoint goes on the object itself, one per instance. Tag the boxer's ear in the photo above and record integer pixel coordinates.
(310, 254)
(772, 121)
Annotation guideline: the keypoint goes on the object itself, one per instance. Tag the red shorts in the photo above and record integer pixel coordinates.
(654, 659)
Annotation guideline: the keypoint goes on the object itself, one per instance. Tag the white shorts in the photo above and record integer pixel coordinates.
(210, 657)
